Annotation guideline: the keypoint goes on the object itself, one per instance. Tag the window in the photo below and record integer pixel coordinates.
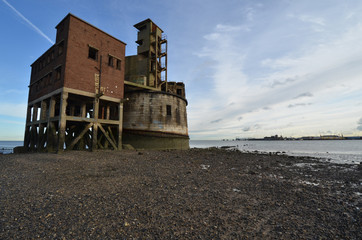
(179, 92)
(168, 107)
(60, 48)
(49, 79)
(118, 64)
(58, 73)
(93, 53)
(110, 61)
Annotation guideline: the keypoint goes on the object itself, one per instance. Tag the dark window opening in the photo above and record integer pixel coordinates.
(168, 110)
(60, 48)
(179, 92)
(58, 73)
(110, 61)
(118, 64)
(93, 53)
(49, 79)
(139, 42)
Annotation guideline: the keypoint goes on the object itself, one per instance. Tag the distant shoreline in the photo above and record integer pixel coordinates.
(297, 139)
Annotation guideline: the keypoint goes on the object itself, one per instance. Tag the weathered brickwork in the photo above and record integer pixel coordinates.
(67, 62)
(47, 72)
(80, 69)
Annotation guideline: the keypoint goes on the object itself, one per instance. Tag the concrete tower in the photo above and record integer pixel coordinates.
(149, 66)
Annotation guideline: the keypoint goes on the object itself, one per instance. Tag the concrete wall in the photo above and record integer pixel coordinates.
(136, 69)
(156, 112)
(177, 88)
(152, 140)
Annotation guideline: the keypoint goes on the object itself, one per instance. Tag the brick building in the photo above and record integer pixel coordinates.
(76, 91)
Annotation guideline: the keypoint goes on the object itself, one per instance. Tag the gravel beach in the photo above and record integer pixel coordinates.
(193, 194)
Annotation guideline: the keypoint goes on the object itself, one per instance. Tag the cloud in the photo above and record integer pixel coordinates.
(299, 105)
(360, 121)
(310, 19)
(229, 28)
(318, 23)
(306, 94)
(35, 28)
(216, 121)
(282, 83)
(246, 129)
(272, 73)
(359, 127)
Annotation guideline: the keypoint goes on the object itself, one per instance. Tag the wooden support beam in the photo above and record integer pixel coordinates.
(95, 125)
(27, 137)
(51, 109)
(88, 140)
(33, 137)
(44, 139)
(83, 110)
(51, 136)
(108, 112)
(99, 142)
(62, 121)
(75, 141)
(107, 137)
(43, 110)
(120, 123)
(28, 114)
(40, 137)
(35, 113)
(111, 134)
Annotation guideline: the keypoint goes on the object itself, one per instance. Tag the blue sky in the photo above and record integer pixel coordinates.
(251, 68)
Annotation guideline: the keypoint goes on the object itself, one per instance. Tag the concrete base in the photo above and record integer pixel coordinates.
(154, 140)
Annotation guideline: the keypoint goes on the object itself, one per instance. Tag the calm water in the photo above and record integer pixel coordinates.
(338, 151)
(8, 146)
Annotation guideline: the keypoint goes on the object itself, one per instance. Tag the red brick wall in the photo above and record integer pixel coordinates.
(77, 70)
(80, 70)
(46, 64)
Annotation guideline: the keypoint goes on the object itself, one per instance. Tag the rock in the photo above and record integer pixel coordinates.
(19, 149)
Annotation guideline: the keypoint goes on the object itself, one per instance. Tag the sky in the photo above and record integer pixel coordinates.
(251, 68)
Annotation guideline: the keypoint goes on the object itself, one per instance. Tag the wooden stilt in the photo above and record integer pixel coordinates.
(120, 127)
(62, 121)
(51, 131)
(95, 125)
(83, 110)
(107, 137)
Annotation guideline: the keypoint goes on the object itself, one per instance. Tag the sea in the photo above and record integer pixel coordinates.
(7, 147)
(336, 151)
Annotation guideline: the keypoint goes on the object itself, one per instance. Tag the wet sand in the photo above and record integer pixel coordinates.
(194, 194)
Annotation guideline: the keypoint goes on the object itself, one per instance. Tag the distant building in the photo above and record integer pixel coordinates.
(79, 98)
